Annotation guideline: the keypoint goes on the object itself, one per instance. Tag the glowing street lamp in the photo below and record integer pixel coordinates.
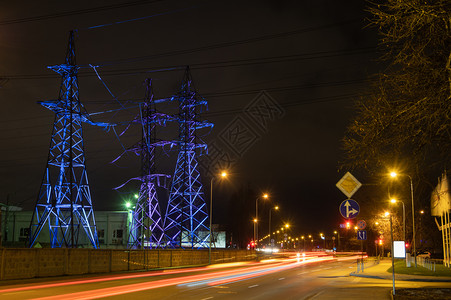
(264, 196)
(338, 239)
(223, 175)
(275, 208)
(323, 238)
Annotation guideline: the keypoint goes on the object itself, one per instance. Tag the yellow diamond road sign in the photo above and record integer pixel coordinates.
(348, 184)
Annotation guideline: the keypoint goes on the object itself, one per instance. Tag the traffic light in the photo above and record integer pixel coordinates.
(348, 225)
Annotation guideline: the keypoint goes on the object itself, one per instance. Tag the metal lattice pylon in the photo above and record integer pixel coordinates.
(64, 200)
(146, 226)
(186, 215)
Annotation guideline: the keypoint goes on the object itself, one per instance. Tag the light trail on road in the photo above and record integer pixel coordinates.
(208, 276)
(209, 279)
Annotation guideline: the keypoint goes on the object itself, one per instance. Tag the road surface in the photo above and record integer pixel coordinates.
(315, 276)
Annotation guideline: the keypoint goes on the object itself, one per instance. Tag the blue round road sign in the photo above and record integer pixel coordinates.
(349, 209)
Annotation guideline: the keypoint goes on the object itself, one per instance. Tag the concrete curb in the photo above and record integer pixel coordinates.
(401, 277)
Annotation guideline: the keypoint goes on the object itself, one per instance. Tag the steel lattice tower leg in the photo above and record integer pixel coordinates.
(64, 199)
(186, 220)
(146, 230)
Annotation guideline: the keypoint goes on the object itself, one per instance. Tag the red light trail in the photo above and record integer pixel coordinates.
(218, 276)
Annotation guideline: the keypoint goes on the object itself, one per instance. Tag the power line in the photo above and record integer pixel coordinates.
(210, 65)
(79, 12)
(231, 111)
(227, 44)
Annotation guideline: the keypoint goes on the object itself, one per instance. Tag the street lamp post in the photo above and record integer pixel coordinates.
(223, 175)
(394, 174)
(392, 252)
(403, 216)
(323, 238)
(255, 232)
(275, 208)
(265, 196)
(338, 239)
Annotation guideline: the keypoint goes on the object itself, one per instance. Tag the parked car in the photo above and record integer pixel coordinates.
(425, 254)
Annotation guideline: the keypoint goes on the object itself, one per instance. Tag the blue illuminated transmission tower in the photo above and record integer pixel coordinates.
(186, 220)
(64, 201)
(146, 224)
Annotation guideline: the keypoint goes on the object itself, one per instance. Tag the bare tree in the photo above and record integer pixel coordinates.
(409, 112)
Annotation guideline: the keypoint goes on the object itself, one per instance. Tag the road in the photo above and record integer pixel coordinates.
(315, 276)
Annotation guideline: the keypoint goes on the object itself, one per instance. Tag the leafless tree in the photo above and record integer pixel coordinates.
(408, 115)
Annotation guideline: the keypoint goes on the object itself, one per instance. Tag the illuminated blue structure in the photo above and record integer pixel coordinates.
(64, 201)
(146, 224)
(186, 219)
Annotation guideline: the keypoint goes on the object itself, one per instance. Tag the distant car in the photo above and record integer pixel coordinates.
(425, 254)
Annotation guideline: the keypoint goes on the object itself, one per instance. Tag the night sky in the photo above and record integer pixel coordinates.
(313, 59)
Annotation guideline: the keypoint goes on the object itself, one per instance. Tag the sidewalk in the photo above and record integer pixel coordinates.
(379, 271)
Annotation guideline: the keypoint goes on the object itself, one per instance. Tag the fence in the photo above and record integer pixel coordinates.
(40, 262)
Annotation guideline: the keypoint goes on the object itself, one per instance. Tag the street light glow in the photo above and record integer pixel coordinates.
(128, 204)
(386, 213)
(265, 196)
(393, 200)
(393, 174)
(224, 174)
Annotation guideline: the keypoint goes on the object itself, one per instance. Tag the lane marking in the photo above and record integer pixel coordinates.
(282, 278)
(316, 295)
(207, 298)
(252, 286)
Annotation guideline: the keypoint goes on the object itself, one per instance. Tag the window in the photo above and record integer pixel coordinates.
(117, 233)
(117, 236)
(24, 232)
(101, 236)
